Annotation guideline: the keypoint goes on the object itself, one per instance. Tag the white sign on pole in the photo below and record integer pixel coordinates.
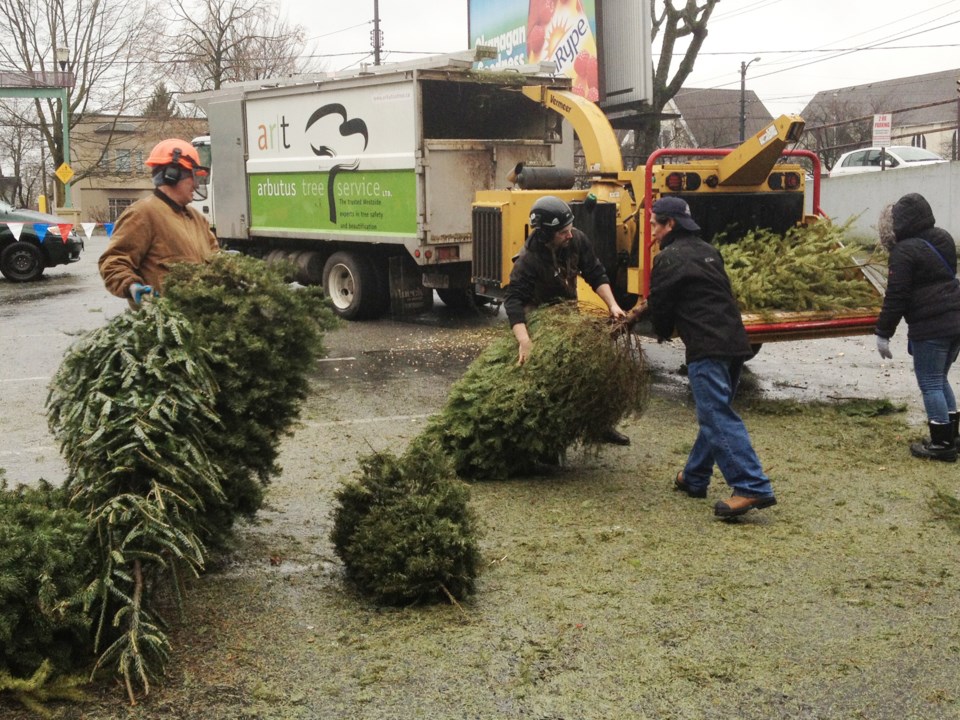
(882, 127)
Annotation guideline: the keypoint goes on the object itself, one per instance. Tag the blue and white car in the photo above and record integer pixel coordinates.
(40, 244)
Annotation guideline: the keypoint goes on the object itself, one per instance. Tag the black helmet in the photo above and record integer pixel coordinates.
(550, 213)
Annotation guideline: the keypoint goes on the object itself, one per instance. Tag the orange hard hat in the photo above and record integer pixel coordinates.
(174, 152)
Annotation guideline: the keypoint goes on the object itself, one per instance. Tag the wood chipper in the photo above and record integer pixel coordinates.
(730, 192)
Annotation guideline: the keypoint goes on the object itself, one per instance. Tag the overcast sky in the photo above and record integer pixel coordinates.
(804, 45)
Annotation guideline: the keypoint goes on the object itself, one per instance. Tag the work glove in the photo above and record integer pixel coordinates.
(883, 347)
(138, 290)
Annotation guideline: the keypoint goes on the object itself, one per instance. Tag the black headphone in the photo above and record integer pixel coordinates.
(173, 173)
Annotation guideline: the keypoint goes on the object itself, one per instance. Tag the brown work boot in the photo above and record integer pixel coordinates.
(738, 505)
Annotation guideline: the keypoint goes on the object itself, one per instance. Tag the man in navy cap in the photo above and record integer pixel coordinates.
(690, 294)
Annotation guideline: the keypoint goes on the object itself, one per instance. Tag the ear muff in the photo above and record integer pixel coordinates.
(172, 174)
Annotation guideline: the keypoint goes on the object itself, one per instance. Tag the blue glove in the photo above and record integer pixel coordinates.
(883, 347)
(138, 290)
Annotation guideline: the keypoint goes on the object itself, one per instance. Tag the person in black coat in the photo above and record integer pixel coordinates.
(546, 270)
(690, 294)
(922, 288)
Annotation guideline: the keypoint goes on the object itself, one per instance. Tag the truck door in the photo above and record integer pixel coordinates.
(228, 150)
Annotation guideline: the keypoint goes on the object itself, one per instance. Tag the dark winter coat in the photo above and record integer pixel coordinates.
(541, 276)
(690, 293)
(921, 285)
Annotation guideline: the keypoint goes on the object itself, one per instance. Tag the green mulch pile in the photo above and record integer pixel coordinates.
(946, 507)
(807, 268)
(169, 419)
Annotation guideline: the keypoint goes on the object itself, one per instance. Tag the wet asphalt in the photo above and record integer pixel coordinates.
(385, 358)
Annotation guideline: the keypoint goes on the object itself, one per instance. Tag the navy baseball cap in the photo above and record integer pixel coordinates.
(678, 209)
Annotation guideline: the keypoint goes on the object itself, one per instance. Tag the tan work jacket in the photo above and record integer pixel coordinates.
(149, 236)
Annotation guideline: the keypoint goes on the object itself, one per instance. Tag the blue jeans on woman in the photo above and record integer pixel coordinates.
(723, 438)
(931, 364)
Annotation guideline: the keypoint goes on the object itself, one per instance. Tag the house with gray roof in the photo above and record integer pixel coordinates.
(924, 110)
(699, 117)
(711, 117)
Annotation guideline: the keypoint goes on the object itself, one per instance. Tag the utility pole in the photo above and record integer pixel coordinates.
(376, 37)
(956, 135)
(743, 97)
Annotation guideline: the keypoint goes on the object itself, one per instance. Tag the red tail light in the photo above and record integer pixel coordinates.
(683, 181)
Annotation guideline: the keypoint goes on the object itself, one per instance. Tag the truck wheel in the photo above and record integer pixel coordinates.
(460, 299)
(21, 262)
(350, 284)
(454, 298)
(380, 289)
(309, 268)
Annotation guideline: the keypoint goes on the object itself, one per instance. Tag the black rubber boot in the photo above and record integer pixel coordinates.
(955, 424)
(614, 437)
(940, 446)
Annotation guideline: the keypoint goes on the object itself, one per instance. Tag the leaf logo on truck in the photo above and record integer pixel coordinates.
(348, 127)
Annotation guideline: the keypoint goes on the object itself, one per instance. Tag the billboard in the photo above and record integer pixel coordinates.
(533, 31)
(597, 43)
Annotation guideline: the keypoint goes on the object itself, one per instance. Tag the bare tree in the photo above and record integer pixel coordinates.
(834, 127)
(21, 155)
(232, 41)
(105, 41)
(675, 22)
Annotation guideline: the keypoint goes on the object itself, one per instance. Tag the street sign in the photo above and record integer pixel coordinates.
(64, 172)
(882, 128)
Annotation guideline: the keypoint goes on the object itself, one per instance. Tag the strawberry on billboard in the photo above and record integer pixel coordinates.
(534, 31)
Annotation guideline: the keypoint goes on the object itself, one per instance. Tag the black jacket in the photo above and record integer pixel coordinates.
(541, 276)
(921, 284)
(690, 293)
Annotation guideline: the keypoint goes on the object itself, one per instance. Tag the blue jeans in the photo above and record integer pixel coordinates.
(722, 438)
(931, 363)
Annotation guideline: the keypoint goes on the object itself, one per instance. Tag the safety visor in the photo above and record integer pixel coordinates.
(201, 174)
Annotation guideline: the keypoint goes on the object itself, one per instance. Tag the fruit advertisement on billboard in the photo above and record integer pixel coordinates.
(534, 31)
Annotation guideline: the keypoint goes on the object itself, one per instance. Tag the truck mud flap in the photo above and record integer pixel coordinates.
(408, 296)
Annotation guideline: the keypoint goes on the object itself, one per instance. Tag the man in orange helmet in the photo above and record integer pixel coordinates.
(161, 229)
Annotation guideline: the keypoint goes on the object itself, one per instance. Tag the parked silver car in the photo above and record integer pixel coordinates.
(895, 156)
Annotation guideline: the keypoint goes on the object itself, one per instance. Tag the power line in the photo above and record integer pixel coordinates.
(883, 43)
(337, 32)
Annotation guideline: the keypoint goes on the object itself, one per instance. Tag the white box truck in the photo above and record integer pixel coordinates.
(366, 180)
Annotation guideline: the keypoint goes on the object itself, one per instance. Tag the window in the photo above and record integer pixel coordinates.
(117, 205)
(857, 159)
(123, 161)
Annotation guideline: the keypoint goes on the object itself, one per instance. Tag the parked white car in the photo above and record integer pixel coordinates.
(896, 156)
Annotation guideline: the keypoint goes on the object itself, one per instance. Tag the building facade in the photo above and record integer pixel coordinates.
(109, 152)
